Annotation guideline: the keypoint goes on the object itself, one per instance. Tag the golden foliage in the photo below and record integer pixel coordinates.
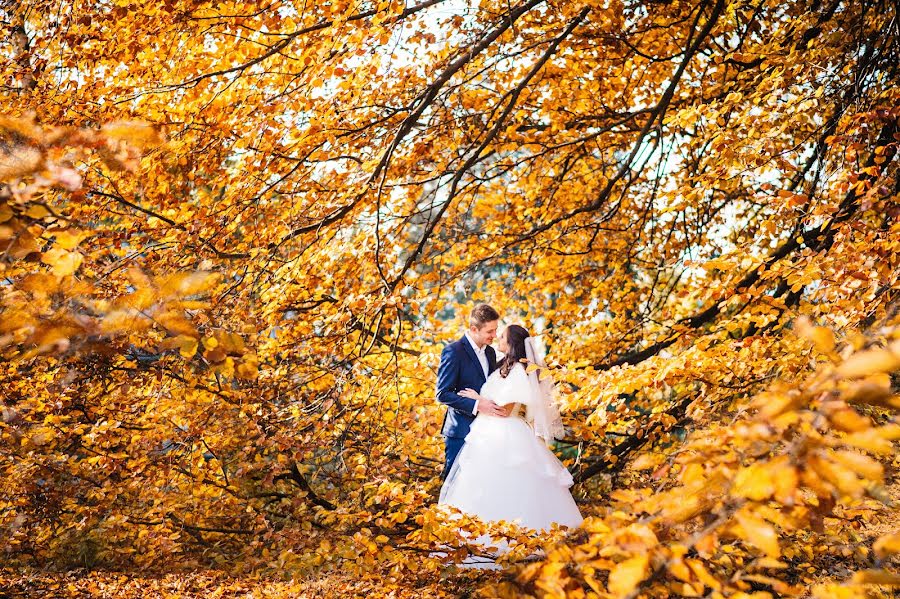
(234, 237)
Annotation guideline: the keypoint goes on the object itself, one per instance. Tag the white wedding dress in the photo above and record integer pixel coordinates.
(504, 471)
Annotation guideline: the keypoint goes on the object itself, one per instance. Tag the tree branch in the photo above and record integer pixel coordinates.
(817, 239)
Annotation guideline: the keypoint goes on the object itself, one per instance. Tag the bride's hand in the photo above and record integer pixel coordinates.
(485, 405)
(471, 394)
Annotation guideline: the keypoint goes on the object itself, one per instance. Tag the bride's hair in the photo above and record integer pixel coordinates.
(515, 339)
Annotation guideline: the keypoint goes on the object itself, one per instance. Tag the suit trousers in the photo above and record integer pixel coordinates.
(452, 446)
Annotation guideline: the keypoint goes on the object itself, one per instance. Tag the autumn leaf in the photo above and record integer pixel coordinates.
(759, 533)
(139, 134)
(626, 575)
(187, 345)
(860, 464)
(879, 577)
(869, 362)
(62, 262)
(821, 337)
(887, 545)
(236, 239)
(19, 161)
(755, 482)
(68, 239)
(703, 575)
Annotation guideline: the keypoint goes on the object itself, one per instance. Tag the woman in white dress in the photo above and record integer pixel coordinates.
(505, 470)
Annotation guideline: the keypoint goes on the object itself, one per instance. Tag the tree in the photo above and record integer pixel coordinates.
(232, 232)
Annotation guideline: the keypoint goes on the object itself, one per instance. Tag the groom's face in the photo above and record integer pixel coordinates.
(485, 335)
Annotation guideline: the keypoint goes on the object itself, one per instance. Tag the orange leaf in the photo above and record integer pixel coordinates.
(759, 533)
(755, 482)
(879, 577)
(187, 346)
(869, 362)
(627, 575)
(887, 545)
(703, 574)
(62, 263)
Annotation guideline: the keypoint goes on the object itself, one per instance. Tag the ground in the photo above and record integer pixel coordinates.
(211, 584)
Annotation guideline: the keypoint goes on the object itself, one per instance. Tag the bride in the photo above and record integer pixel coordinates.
(504, 470)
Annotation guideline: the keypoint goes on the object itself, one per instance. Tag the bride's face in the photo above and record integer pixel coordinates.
(502, 344)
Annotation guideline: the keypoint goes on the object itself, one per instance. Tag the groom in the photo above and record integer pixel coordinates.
(466, 364)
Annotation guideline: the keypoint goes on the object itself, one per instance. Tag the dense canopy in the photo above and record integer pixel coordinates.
(235, 236)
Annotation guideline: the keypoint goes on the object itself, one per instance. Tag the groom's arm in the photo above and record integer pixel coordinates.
(448, 375)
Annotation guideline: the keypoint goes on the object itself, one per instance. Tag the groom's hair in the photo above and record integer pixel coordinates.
(482, 314)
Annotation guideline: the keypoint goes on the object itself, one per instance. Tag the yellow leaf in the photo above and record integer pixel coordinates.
(215, 355)
(849, 421)
(23, 244)
(869, 362)
(36, 211)
(860, 464)
(891, 432)
(821, 337)
(679, 570)
(646, 461)
(887, 545)
(41, 438)
(703, 574)
(187, 346)
(184, 284)
(759, 533)
(784, 474)
(194, 304)
(754, 482)
(835, 591)
(880, 577)
(247, 370)
(68, 239)
(19, 161)
(124, 321)
(23, 126)
(707, 545)
(138, 278)
(772, 404)
(140, 299)
(870, 440)
(875, 390)
(692, 474)
(39, 283)
(839, 476)
(225, 368)
(62, 263)
(136, 133)
(770, 563)
(232, 343)
(176, 323)
(627, 575)
(687, 506)
(689, 590)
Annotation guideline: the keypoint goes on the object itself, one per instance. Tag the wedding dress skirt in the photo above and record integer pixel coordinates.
(504, 472)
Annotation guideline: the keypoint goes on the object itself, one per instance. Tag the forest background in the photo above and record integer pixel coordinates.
(234, 237)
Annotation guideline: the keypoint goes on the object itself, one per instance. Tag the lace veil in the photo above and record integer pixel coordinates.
(542, 412)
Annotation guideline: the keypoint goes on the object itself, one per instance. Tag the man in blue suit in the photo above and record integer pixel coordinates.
(466, 364)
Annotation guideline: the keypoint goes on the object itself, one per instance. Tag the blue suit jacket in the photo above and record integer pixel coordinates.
(460, 370)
